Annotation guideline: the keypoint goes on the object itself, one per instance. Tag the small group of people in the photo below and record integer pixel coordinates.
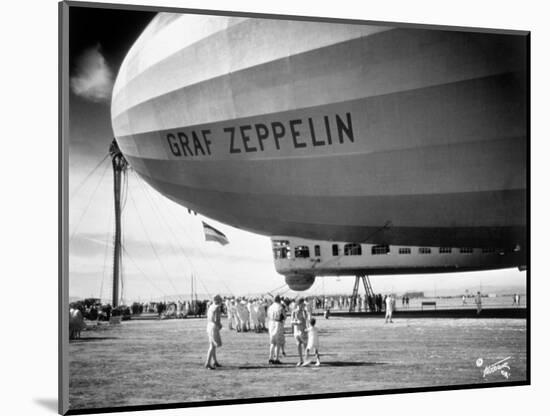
(304, 331)
(367, 303)
(246, 314)
(93, 310)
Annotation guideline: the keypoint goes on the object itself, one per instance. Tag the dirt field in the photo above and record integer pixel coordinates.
(151, 362)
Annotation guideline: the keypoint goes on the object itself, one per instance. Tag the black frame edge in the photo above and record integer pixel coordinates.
(160, 9)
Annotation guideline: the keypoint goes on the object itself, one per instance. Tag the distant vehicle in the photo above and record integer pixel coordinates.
(301, 260)
(339, 132)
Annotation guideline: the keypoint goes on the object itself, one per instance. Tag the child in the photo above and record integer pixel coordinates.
(312, 343)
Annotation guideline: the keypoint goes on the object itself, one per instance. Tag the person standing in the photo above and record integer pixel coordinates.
(283, 318)
(389, 308)
(213, 327)
(253, 315)
(275, 315)
(298, 322)
(244, 316)
(478, 302)
(261, 314)
(229, 314)
(309, 307)
(236, 319)
(240, 315)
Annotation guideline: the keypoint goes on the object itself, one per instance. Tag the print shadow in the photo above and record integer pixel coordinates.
(49, 404)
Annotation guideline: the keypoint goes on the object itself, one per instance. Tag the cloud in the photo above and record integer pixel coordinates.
(93, 79)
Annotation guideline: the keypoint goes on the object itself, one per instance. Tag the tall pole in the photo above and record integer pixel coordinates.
(119, 168)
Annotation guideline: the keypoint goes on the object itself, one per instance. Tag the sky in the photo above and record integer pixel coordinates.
(164, 245)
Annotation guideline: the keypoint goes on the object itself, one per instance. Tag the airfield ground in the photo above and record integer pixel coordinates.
(152, 362)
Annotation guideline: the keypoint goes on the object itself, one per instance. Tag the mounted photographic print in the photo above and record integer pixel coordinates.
(259, 207)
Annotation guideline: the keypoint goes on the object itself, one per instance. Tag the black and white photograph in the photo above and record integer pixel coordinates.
(260, 208)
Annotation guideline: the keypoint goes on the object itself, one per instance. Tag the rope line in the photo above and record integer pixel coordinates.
(142, 273)
(158, 215)
(88, 204)
(75, 192)
(277, 288)
(200, 251)
(151, 243)
(158, 212)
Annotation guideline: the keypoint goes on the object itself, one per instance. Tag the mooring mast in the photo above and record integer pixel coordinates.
(119, 169)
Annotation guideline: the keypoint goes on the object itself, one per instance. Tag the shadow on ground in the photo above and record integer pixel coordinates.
(90, 339)
(323, 364)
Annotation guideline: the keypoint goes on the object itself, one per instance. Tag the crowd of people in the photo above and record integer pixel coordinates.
(93, 310)
(359, 303)
(244, 313)
(174, 309)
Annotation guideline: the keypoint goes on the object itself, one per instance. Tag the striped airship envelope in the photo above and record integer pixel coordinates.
(349, 132)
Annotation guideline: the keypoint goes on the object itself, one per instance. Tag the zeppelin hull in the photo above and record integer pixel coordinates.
(342, 219)
(336, 132)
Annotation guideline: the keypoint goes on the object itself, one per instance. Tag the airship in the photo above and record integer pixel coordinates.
(364, 133)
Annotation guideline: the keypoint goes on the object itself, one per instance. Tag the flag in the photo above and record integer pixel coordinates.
(211, 234)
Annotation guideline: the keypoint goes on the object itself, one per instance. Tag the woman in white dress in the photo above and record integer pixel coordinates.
(213, 327)
(275, 314)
